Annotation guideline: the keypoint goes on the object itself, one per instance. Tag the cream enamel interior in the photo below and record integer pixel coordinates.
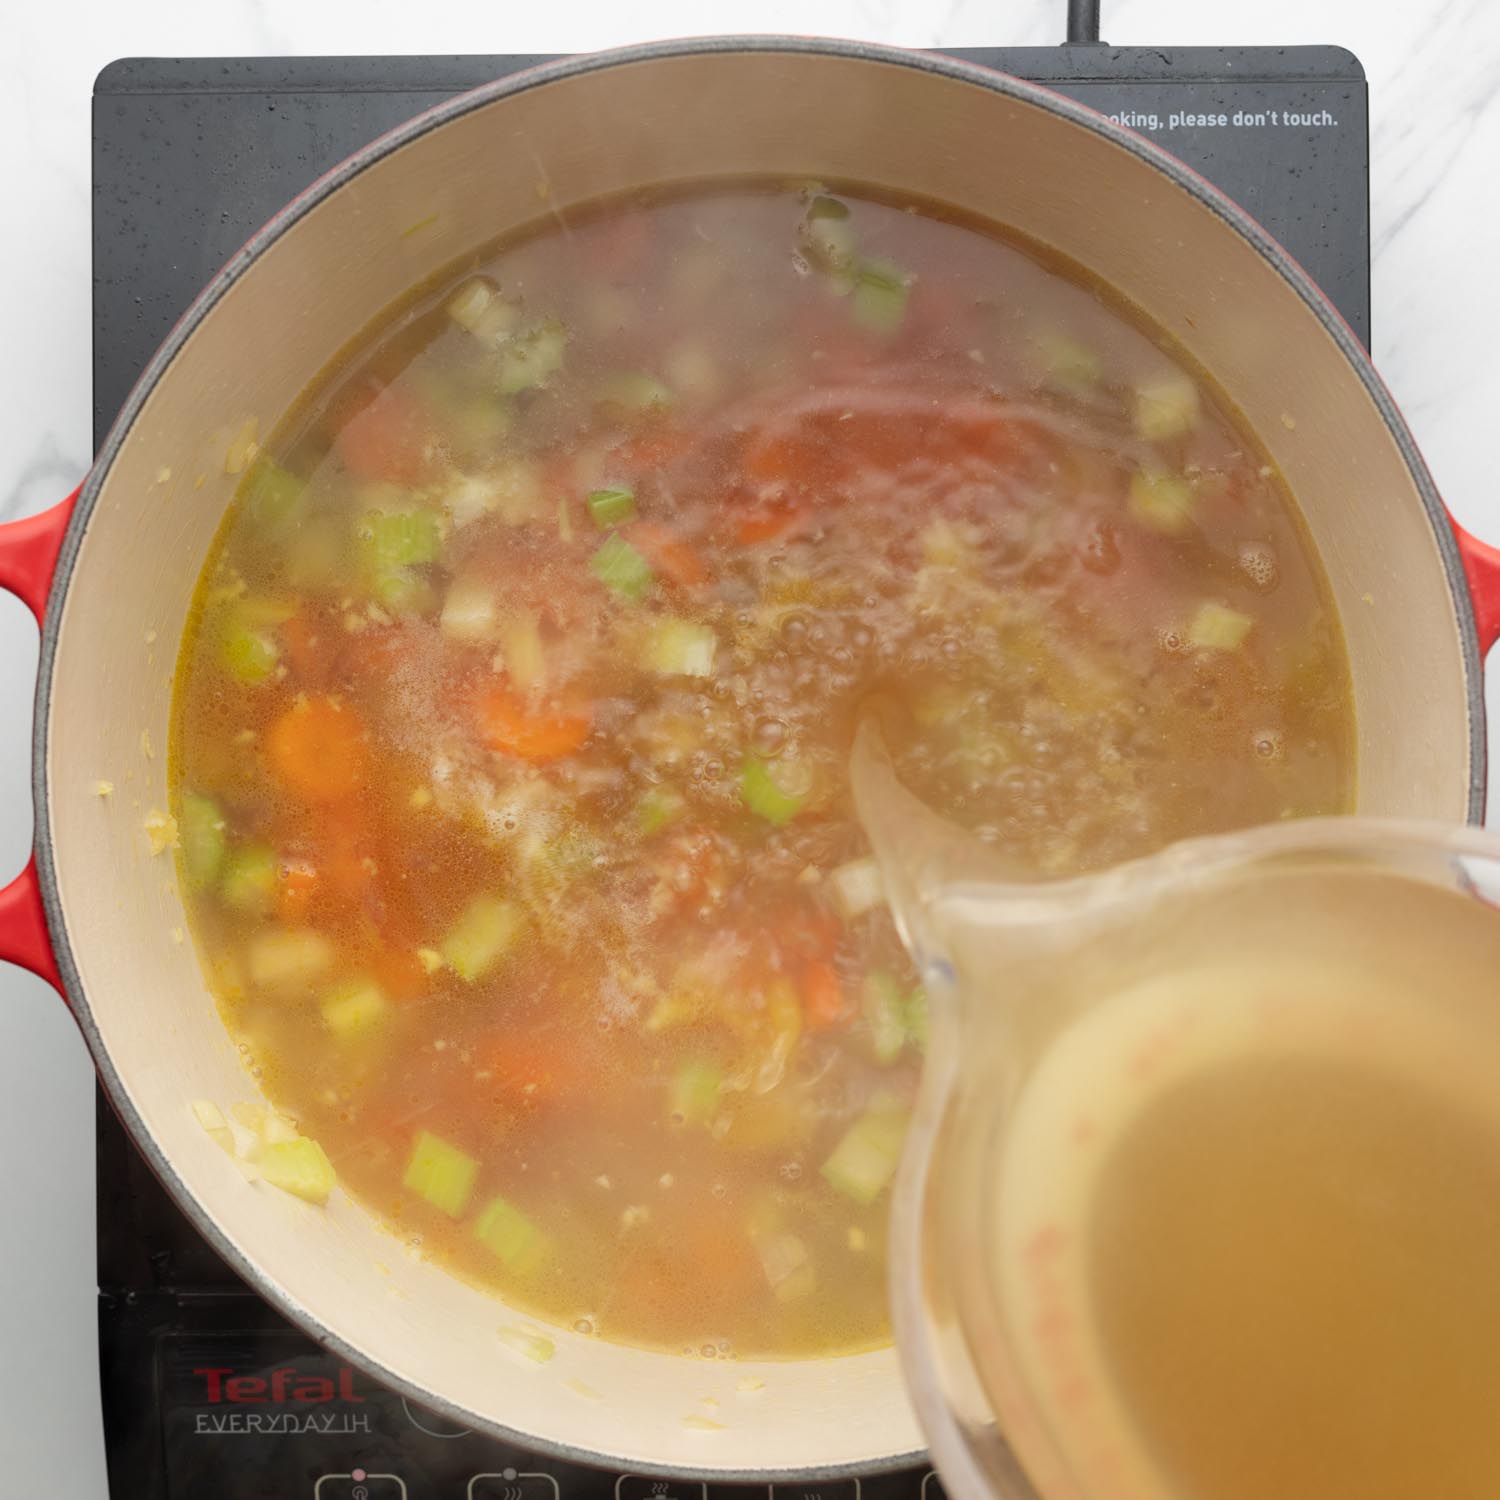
(543, 149)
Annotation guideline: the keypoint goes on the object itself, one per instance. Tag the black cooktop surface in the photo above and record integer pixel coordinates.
(207, 1391)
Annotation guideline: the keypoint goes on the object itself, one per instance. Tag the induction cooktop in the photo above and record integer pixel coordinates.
(209, 1394)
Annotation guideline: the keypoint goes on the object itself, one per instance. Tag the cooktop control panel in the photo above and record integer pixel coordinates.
(208, 1393)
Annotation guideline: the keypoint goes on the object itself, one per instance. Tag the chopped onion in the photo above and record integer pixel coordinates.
(857, 887)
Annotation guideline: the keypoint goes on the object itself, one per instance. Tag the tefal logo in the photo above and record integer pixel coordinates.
(277, 1388)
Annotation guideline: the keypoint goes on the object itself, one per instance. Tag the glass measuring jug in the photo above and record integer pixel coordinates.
(1201, 1199)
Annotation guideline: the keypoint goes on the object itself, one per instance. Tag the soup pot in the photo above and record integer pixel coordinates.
(110, 574)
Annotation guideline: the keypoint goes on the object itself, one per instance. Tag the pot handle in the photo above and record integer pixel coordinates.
(28, 559)
(1482, 569)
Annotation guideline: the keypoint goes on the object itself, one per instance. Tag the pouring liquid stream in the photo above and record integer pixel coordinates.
(1202, 1198)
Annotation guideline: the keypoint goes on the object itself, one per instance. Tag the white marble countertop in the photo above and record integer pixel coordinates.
(1434, 72)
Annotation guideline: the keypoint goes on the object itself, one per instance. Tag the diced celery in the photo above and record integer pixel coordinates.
(403, 590)
(439, 1172)
(283, 957)
(881, 290)
(299, 1166)
(1166, 406)
(827, 236)
(469, 609)
(478, 307)
(521, 649)
(857, 887)
(788, 1266)
(502, 1228)
(917, 1022)
(200, 832)
(680, 648)
(489, 928)
(1163, 502)
(773, 793)
(1067, 363)
(271, 492)
(694, 1094)
(621, 568)
(1216, 627)
(634, 392)
(611, 507)
(354, 1009)
(864, 1161)
(249, 882)
(395, 538)
(532, 358)
(659, 806)
(885, 1011)
(248, 656)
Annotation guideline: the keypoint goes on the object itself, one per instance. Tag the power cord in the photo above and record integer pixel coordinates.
(1083, 20)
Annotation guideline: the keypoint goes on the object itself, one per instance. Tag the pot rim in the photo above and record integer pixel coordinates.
(324, 187)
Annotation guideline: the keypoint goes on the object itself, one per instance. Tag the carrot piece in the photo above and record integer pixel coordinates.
(769, 523)
(533, 1069)
(317, 749)
(668, 554)
(508, 724)
(296, 890)
(399, 973)
(391, 438)
(822, 996)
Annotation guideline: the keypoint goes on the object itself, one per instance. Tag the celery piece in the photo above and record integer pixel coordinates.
(857, 887)
(299, 1166)
(284, 957)
(478, 308)
(248, 655)
(1166, 406)
(354, 1009)
(1216, 627)
(249, 881)
(826, 235)
(439, 1172)
(621, 569)
(1161, 501)
(469, 609)
(864, 1161)
(532, 358)
(489, 927)
(635, 393)
(200, 832)
(395, 538)
(694, 1092)
(764, 792)
(502, 1228)
(881, 290)
(1068, 364)
(611, 507)
(918, 1025)
(680, 648)
(402, 590)
(659, 806)
(885, 1011)
(271, 492)
(522, 652)
(788, 1266)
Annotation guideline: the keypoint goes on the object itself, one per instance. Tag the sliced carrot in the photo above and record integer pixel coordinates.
(317, 749)
(390, 439)
(507, 723)
(668, 554)
(537, 1069)
(768, 523)
(822, 996)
